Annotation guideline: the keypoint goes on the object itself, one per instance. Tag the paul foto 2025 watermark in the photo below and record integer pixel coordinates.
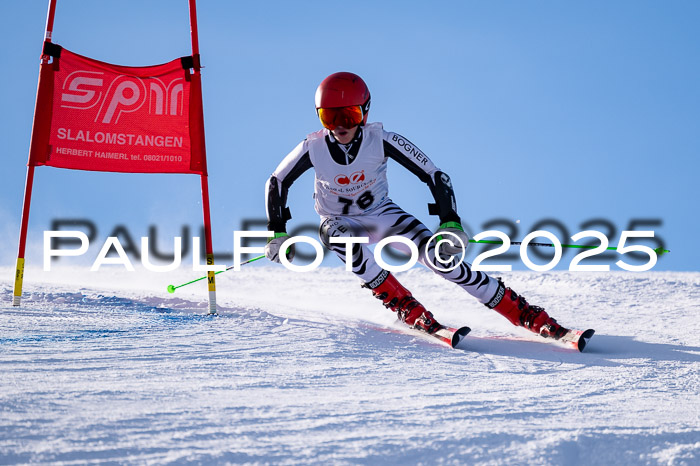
(431, 249)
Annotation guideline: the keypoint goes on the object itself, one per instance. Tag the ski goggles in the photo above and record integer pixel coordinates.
(347, 117)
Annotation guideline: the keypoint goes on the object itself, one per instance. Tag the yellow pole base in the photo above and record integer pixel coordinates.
(19, 277)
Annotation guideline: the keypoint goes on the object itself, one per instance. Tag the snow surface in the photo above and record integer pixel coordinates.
(309, 368)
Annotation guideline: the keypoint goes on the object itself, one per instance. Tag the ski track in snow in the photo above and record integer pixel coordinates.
(309, 368)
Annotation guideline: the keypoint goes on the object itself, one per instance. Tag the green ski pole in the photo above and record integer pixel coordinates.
(172, 288)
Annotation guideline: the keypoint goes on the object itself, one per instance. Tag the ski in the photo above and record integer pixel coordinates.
(449, 335)
(577, 339)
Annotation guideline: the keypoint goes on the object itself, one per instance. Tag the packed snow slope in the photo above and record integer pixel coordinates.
(309, 368)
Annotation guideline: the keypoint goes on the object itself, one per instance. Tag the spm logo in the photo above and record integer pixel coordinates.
(87, 90)
(355, 178)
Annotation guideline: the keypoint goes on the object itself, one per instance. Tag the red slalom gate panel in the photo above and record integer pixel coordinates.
(97, 116)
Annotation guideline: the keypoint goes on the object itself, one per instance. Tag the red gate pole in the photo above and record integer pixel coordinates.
(19, 270)
(211, 274)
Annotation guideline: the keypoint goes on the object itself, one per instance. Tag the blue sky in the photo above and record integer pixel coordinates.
(585, 113)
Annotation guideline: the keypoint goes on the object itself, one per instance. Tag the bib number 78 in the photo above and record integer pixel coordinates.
(363, 202)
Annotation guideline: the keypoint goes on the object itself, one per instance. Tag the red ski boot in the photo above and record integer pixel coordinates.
(397, 298)
(517, 310)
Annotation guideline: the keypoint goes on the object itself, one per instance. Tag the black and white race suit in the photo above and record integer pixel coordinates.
(351, 195)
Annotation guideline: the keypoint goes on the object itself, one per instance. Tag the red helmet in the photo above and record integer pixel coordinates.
(343, 90)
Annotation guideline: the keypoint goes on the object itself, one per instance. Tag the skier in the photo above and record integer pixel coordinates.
(349, 157)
